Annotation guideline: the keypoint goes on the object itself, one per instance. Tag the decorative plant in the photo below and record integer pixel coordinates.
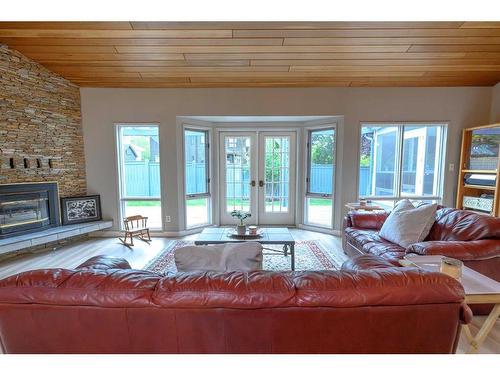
(241, 216)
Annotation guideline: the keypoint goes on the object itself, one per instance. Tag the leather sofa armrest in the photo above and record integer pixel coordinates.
(366, 262)
(365, 220)
(463, 250)
(102, 262)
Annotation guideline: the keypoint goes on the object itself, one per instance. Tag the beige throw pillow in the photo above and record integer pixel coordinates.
(244, 256)
(408, 224)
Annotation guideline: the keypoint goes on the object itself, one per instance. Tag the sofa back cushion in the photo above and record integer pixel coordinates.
(460, 225)
(120, 288)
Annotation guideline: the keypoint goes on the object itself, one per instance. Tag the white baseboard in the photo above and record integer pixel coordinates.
(117, 233)
(312, 228)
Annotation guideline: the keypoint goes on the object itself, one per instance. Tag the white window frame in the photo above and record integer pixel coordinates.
(208, 194)
(121, 173)
(439, 163)
(307, 138)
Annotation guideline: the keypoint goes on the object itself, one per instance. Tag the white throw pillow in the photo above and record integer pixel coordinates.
(244, 256)
(407, 224)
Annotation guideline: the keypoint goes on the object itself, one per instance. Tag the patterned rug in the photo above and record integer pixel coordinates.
(309, 255)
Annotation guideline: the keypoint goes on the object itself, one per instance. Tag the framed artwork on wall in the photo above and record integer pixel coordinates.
(76, 210)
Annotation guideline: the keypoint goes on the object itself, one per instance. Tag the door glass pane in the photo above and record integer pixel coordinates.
(237, 154)
(377, 167)
(195, 156)
(139, 167)
(276, 173)
(319, 211)
(150, 209)
(421, 160)
(197, 211)
(322, 161)
(140, 155)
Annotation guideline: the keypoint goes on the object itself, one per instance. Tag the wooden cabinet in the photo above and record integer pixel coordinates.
(478, 178)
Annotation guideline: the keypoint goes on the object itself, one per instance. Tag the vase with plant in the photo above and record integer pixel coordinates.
(241, 228)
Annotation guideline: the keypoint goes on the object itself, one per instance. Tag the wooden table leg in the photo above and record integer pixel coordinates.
(292, 253)
(475, 342)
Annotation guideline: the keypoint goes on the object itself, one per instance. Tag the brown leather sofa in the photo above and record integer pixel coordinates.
(464, 235)
(103, 306)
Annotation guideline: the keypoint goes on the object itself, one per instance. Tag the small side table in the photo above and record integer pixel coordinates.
(478, 289)
(365, 207)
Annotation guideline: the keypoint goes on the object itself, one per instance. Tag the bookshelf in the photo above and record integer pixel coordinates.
(469, 166)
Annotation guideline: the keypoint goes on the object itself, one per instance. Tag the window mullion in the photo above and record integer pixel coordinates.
(399, 162)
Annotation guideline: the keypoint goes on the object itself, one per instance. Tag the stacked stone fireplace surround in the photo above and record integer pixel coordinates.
(40, 127)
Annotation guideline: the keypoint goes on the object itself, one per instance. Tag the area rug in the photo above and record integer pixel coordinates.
(309, 255)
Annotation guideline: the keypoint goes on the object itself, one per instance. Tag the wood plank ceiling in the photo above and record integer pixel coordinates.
(267, 54)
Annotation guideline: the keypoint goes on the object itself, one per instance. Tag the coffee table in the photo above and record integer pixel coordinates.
(478, 288)
(270, 236)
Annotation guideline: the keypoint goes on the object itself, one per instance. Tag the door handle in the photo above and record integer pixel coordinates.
(252, 183)
(261, 183)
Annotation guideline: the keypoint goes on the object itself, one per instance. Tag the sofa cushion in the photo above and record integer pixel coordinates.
(385, 249)
(359, 237)
(377, 287)
(407, 224)
(463, 250)
(244, 290)
(367, 262)
(367, 220)
(80, 287)
(460, 225)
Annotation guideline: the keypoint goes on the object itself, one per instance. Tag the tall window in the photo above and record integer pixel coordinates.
(401, 161)
(320, 177)
(139, 167)
(197, 180)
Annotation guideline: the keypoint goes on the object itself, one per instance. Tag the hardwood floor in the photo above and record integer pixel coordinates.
(74, 254)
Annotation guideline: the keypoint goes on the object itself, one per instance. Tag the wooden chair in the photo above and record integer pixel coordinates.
(136, 226)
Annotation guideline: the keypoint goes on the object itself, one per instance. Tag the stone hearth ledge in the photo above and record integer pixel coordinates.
(50, 235)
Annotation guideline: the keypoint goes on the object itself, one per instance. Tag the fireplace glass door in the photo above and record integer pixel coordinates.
(28, 210)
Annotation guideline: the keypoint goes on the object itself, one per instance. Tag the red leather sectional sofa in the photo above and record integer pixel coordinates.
(464, 235)
(103, 306)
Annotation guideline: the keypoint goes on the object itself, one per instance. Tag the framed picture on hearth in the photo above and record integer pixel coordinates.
(76, 210)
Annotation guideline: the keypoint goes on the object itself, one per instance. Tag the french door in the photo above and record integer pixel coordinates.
(257, 171)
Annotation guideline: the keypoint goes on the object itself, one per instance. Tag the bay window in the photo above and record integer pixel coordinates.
(320, 177)
(401, 161)
(196, 177)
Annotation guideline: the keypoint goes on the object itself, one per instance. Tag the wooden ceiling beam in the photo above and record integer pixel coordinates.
(71, 33)
(160, 25)
(326, 56)
(15, 42)
(260, 49)
(368, 33)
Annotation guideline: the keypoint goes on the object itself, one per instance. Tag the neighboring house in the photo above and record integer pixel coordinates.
(154, 147)
(133, 153)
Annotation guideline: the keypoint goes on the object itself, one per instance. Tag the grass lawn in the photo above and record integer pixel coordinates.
(320, 202)
(196, 202)
(143, 203)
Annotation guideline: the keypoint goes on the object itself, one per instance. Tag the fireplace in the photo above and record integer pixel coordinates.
(26, 208)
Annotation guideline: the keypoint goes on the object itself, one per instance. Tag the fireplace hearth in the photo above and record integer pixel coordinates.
(28, 207)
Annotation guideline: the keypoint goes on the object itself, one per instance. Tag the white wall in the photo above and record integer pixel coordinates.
(101, 108)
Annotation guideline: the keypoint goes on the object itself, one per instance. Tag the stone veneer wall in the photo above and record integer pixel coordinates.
(40, 126)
